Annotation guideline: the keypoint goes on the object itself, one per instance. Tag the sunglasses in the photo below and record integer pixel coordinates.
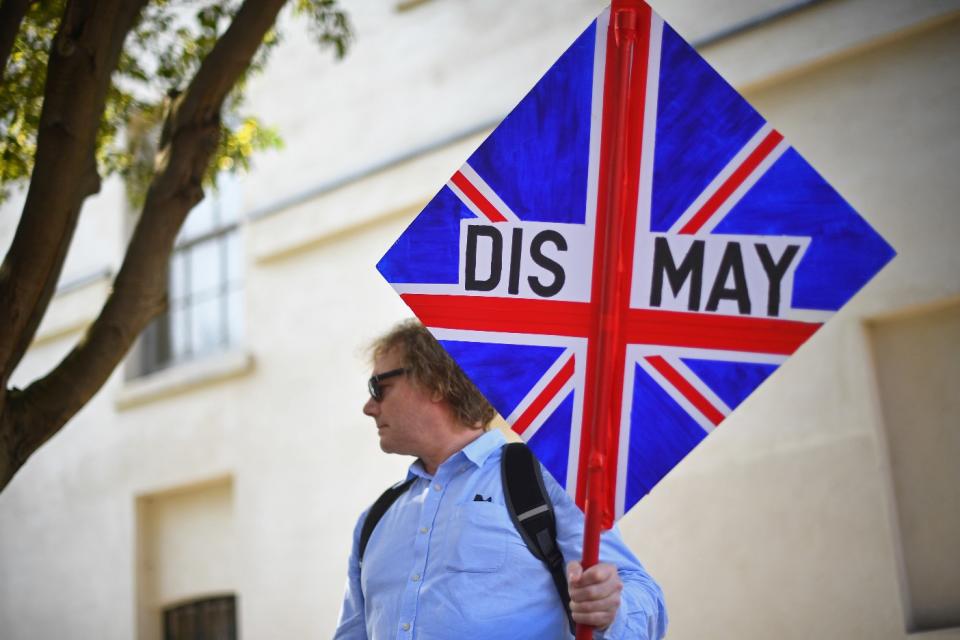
(373, 384)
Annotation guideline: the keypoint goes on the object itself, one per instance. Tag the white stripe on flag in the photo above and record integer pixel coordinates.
(677, 397)
(712, 354)
(697, 383)
(547, 411)
(724, 175)
(596, 118)
(540, 385)
(626, 425)
(645, 190)
(487, 191)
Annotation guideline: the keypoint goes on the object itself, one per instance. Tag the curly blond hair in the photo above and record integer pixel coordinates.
(430, 366)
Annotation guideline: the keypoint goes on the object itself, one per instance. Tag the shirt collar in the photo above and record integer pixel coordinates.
(480, 449)
(476, 452)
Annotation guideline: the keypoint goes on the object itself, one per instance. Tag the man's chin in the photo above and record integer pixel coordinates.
(391, 447)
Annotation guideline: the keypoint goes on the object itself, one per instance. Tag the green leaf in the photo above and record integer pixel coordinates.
(160, 57)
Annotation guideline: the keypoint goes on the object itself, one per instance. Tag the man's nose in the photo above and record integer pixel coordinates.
(371, 407)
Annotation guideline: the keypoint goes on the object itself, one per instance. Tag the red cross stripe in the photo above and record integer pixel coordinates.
(639, 326)
(642, 326)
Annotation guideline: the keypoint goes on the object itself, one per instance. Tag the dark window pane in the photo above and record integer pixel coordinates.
(209, 619)
(156, 349)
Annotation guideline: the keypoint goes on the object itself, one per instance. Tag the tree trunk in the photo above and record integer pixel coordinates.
(84, 53)
(29, 418)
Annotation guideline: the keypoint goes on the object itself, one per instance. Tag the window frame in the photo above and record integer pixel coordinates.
(157, 349)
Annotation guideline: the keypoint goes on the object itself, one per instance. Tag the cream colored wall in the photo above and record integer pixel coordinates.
(917, 381)
(186, 547)
(776, 527)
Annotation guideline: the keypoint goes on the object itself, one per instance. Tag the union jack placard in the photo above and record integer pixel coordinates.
(734, 252)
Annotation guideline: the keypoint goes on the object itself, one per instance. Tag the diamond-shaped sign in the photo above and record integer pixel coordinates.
(632, 220)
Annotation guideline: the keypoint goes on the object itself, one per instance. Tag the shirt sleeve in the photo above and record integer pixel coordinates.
(352, 624)
(642, 614)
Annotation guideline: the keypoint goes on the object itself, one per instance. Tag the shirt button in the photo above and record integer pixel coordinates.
(405, 626)
(424, 529)
(416, 577)
(438, 486)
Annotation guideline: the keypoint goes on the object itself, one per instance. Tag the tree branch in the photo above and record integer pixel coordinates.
(12, 13)
(139, 290)
(84, 53)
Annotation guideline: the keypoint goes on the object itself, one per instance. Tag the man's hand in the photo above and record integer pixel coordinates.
(594, 593)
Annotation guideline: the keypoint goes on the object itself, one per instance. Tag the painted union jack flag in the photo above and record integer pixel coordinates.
(735, 252)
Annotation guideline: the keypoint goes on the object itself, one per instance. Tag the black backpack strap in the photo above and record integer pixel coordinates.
(531, 510)
(379, 508)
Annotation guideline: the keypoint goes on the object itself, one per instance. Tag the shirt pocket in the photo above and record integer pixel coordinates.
(478, 538)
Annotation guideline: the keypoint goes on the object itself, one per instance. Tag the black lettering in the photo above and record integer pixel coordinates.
(496, 258)
(550, 265)
(691, 267)
(516, 255)
(775, 272)
(731, 262)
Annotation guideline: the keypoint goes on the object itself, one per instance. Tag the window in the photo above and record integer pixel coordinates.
(205, 311)
(209, 619)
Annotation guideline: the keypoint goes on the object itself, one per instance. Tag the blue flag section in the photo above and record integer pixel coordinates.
(740, 251)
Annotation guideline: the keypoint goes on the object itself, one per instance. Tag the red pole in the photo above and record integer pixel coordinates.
(607, 321)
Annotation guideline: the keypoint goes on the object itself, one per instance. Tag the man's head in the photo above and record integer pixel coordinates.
(428, 365)
(425, 406)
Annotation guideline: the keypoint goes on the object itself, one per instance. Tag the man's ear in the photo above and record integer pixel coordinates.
(436, 396)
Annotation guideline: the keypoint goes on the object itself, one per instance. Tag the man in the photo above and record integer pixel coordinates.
(445, 562)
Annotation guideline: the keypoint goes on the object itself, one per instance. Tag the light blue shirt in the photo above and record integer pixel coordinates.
(442, 565)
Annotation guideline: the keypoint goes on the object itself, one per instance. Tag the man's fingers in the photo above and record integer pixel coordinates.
(596, 613)
(596, 583)
(595, 591)
(598, 620)
(596, 574)
(609, 603)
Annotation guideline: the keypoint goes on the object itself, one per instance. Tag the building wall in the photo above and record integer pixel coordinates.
(788, 505)
(784, 524)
